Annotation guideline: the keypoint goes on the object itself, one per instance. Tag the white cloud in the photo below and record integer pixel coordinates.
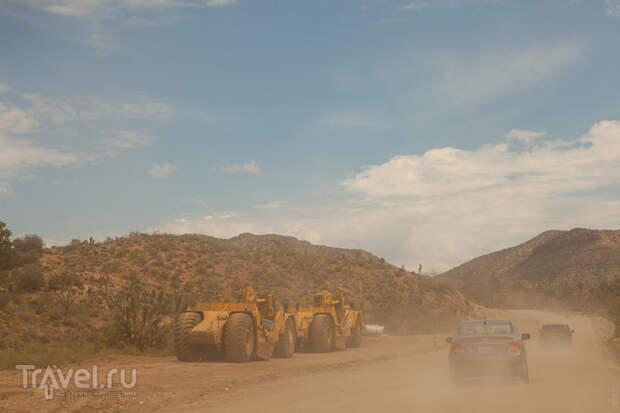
(98, 20)
(161, 171)
(140, 106)
(5, 189)
(525, 136)
(51, 118)
(4, 88)
(475, 78)
(103, 42)
(271, 205)
(612, 7)
(221, 3)
(38, 109)
(19, 154)
(249, 167)
(68, 8)
(16, 120)
(53, 109)
(416, 5)
(83, 8)
(449, 205)
(128, 139)
(153, 21)
(550, 168)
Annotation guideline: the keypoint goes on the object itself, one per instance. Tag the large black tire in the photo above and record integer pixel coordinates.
(239, 338)
(355, 339)
(286, 342)
(183, 349)
(321, 333)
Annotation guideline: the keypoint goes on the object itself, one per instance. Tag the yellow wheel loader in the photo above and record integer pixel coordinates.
(327, 324)
(252, 327)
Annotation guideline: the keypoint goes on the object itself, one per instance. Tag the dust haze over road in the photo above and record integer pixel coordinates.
(387, 374)
(579, 380)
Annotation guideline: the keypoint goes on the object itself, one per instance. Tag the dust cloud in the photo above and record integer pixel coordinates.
(387, 374)
(579, 379)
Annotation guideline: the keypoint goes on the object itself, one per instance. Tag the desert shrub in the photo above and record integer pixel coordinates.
(138, 314)
(29, 278)
(112, 266)
(43, 303)
(74, 245)
(66, 288)
(5, 299)
(28, 242)
(6, 247)
(445, 285)
(170, 256)
(19, 252)
(139, 260)
(24, 258)
(119, 253)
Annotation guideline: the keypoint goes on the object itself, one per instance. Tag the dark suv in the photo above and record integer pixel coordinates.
(483, 347)
(551, 334)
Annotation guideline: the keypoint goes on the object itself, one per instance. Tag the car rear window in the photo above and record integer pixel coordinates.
(477, 328)
(555, 328)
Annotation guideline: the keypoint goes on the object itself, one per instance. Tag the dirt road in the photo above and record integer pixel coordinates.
(580, 380)
(389, 374)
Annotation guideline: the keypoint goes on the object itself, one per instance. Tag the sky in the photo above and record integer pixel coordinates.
(424, 131)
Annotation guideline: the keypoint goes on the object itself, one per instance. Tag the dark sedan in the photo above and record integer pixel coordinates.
(483, 347)
(552, 334)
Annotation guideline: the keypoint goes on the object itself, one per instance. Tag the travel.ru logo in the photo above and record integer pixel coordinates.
(55, 380)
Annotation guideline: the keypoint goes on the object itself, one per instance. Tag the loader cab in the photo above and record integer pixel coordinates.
(247, 295)
(326, 300)
(340, 309)
(322, 298)
(267, 305)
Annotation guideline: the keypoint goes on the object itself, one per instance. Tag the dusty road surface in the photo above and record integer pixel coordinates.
(388, 374)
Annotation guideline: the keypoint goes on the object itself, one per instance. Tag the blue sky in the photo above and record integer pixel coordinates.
(424, 131)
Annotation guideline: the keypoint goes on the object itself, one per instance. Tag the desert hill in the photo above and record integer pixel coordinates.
(578, 255)
(202, 266)
(577, 269)
(84, 295)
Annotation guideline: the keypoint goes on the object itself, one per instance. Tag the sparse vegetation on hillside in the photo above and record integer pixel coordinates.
(577, 270)
(5, 246)
(122, 294)
(20, 251)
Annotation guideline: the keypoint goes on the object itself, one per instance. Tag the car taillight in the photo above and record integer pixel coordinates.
(515, 346)
(456, 348)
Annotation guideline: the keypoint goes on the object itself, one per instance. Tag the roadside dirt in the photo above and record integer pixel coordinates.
(163, 382)
(386, 374)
